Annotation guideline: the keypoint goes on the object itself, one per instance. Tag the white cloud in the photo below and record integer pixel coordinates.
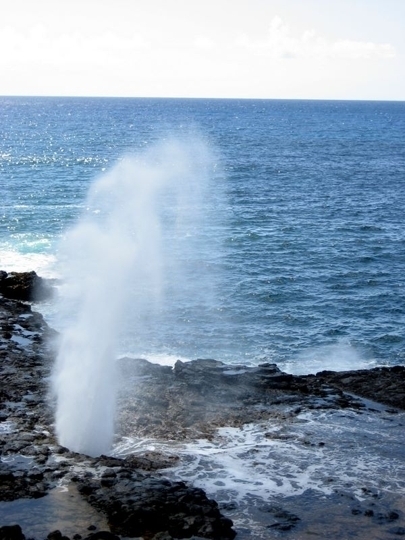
(125, 47)
(281, 43)
(204, 43)
(40, 46)
(362, 49)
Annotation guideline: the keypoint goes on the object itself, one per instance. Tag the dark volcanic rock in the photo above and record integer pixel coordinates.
(195, 398)
(383, 384)
(11, 532)
(283, 520)
(102, 535)
(21, 485)
(25, 286)
(142, 505)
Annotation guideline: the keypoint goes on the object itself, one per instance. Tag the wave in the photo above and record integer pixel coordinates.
(15, 261)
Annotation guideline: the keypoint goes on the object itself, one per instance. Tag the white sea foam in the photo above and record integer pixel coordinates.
(112, 258)
(337, 357)
(161, 359)
(6, 427)
(318, 454)
(12, 260)
(287, 459)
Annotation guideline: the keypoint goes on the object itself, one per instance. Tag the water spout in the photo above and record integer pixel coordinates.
(113, 254)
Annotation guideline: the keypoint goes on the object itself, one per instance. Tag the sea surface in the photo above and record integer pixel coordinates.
(281, 238)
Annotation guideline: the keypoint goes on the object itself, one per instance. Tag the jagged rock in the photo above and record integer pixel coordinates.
(382, 384)
(55, 535)
(102, 535)
(195, 398)
(11, 532)
(137, 504)
(25, 286)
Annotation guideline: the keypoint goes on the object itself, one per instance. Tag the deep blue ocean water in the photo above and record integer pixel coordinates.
(300, 257)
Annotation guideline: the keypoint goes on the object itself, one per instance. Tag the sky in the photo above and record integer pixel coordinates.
(271, 49)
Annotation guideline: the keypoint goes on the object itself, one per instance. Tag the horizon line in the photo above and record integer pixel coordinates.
(67, 96)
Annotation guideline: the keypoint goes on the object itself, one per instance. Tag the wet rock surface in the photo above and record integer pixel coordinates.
(185, 403)
(25, 286)
(383, 384)
(195, 398)
(147, 505)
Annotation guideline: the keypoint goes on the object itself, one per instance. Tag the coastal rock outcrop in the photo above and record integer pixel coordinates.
(385, 384)
(25, 286)
(195, 398)
(138, 504)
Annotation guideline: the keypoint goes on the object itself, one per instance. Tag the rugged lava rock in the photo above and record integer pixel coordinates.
(193, 399)
(383, 384)
(25, 286)
(142, 505)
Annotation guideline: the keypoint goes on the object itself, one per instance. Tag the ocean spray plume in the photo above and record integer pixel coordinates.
(115, 253)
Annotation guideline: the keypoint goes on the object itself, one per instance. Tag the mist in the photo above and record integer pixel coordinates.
(115, 256)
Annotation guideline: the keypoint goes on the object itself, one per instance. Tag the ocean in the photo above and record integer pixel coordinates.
(281, 238)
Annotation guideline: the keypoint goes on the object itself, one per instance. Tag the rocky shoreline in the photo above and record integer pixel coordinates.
(136, 502)
(131, 496)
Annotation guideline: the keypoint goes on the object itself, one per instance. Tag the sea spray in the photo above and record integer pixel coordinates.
(113, 256)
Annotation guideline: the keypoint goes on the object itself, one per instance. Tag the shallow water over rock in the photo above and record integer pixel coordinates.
(340, 471)
(61, 509)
